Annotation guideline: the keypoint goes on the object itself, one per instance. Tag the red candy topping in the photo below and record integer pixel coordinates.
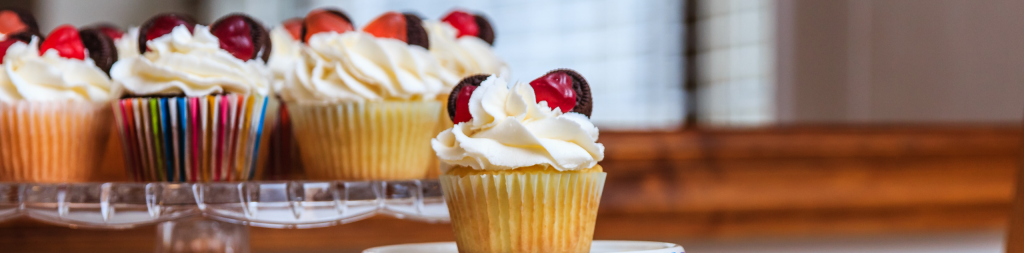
(164, 25)
(318, 21)
(3, 47)
(462, 105)
(464, 22)
(390, 25)
(67, 42)
(235, 36)
(113, 33)
(11, 23)
(294, 27)
(556, 89)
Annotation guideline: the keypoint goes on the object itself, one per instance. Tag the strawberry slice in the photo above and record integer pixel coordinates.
(66, 41)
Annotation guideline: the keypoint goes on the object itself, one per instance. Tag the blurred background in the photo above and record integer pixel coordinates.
(731, 125)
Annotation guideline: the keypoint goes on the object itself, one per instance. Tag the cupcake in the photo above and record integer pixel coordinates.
(54, 103)
(197, 100)
(520, 170)
(363, 103)
(284, 162)
(462, 42)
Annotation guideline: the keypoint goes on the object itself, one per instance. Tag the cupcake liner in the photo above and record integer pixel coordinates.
(52, 141)
(284, 162)
(365, 141)
(516, 211)
(193, 139)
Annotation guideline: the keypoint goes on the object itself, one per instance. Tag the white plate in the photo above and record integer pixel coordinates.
(596, 247)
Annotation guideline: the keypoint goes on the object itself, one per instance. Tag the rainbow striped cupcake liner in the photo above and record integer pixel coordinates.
(193, 139)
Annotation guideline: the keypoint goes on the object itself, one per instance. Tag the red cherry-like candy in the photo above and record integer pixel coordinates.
(112, 32)
(235, 36)
(464, 22)
(3, 47)
(165, 24)
(390, 25)
(322, 20)
(462, 105)
(67, 42)
(10, 22)
(294, 27)
(556, 89)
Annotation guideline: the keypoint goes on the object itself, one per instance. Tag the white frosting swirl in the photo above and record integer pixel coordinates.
(128, 44)
(511, 130)
(463, 56)
(192, 64)
(355, 67)
(29, 76)
(284, 55)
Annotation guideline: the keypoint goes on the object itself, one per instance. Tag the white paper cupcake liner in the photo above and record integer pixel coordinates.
(52, 141)
(510, 211)
(365, 141)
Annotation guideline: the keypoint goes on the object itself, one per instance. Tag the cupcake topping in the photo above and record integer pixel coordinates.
(110, 30)
(161, 25)
(100, 46)
(294, 27)
(29, 74)
(510, 129)
(405, 27)
(66, 41)
(325, 20)
(470, 25)
(242, 36)
(10, 39)
(14, 20)
(561, 88)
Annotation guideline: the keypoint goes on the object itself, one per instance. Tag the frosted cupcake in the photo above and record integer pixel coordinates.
(198, 100)
(284, 162)
(462, 44)
(363, 103)
(520, 165)
(54, 104)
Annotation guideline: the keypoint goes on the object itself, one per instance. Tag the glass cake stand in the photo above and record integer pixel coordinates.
(187, 211)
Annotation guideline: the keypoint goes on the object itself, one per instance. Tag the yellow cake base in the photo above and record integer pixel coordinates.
(51, 142)
(365, 141)
(532, 209)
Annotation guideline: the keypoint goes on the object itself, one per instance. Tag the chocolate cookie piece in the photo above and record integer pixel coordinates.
(486, 31)
(100, 46)
(305, 30)
(166, 19)
(473, 80)
(257, 32)
(26, 18)
(584, 101)
(25, 36)
(416, 34)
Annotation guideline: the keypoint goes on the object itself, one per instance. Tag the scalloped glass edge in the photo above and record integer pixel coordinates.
(271, 204)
